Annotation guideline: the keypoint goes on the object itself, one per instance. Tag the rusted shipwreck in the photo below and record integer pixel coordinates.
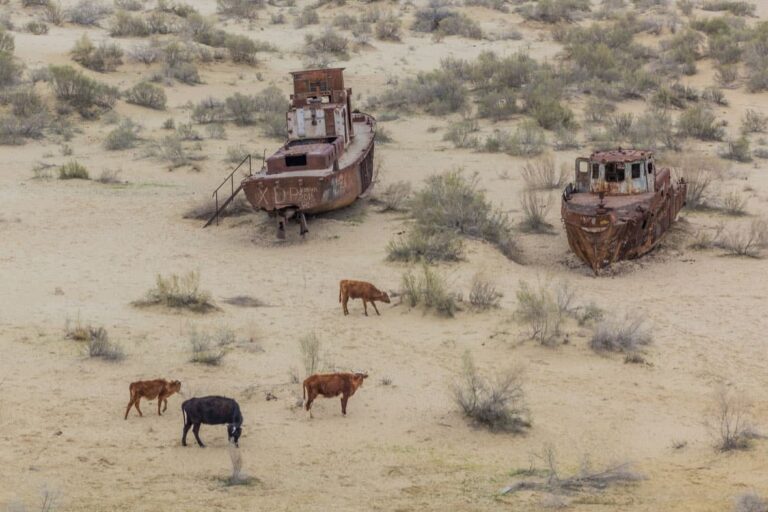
(619, 206)
(327, 161)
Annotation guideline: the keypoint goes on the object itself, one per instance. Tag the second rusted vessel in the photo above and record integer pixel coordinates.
(620, 206)
(327, 162)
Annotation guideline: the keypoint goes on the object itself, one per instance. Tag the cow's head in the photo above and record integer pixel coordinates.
(174, 386)
(358, 378)
(233, 432)
(383, 297)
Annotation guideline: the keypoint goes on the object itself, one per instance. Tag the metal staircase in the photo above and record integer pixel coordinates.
(233, 191)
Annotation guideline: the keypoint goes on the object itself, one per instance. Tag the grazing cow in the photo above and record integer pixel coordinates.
(349, 289)
(330, 385)
(212, 410)
(151, 389)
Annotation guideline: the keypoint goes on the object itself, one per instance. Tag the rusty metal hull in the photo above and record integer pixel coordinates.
(316, 191)
(603, 231)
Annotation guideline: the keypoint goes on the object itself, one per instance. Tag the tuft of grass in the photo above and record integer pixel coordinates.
(734, 203)
(88, 12)
(735, 7)
(309, 347)
(555, 11)
(238, 9)
(542, 310)
(628, 336)
(209, 347)
(753, 122)
(394, 197)
(483, 294)
(497, 404)
(535, 206)
(730, 420)
(387, 28)
(700, 122)
(541, 174)
(73, 170)
(438, 18)
(429, 246)
(429, 289)
(327, 43)
(124, 136)
(179, 292)
(100, 346)
(749, 241)
(87, 96)
(737, 149)
(104, 57)
(147, 95)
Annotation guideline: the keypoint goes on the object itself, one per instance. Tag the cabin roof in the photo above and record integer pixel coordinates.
(620, 155)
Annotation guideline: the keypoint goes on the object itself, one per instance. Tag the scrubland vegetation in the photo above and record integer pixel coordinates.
(179, 292)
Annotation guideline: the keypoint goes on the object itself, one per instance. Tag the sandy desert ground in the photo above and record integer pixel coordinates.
(82, 251)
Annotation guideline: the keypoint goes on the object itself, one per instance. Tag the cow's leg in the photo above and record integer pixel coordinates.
(374, 307)
(128, 409)
(165, 404)
(365, 307)
(344, 399)
(196, 430)
(310, 399)
(159, 403)
(187, 425)
(344, 302)
(136, 403)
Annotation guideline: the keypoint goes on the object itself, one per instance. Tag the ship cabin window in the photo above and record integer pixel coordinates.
(296, 160)
(595, 171)
(636, 170)
(650, 167)
(614, 172)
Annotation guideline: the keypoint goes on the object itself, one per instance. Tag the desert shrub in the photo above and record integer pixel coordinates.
(125, 24)
(110, 177)
(541, 174)
(100, 346)
(724, 48)
(497, 404)
(629, 335)
(186, 131)
(760, 153)
(419, 244)
(734, 203)
(86, 95)
(105, 57)
(699, 173)
(344, 21)
(184, 72)
(588, 314)
(748, 241)
(737, 149)
(437, 92)
(209, 346)
(179, 9)
(726, 75)
(555, 11)
(216, 131)
(124, 136)
(684, 49)
(539, 309)
(750, 502)
(597, 109)
(387, 28)
(535, 206)
(26, 103)
(129, 5)
(451, 201)
(53, 13)
(239, 8)
(241, 49)
(146, 53)
(429, 289)
(496, 105)
(278, 18)
(307, 16)
(36, 27)
(735, 7)
(15, 129)
(326, 43)
(714, 95)
(527, 140)
(88, 12)
(9, 69)
(73, 170)
(729, 419)
(700, 122)
(394, 197)
(147, 95)
(461, 133)
(438, 18)
(309, 347)
(753, 122)
(179, 292)
(483, 293)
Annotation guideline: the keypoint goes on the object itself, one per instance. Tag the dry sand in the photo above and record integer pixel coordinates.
(402, 446)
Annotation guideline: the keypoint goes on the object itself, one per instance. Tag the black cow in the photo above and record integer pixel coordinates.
(211, 410)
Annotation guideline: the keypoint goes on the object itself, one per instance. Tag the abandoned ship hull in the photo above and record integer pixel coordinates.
(315, 191)
(625, 227)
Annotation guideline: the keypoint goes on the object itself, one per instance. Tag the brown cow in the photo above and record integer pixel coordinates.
(330, 385)
(151, 389)
(349, 289)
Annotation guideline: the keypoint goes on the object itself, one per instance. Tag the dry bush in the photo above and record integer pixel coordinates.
(206, 208)
(737, 149)
(209, 346)
(735, 7)
(734, 203)
(124, 136)
(429, 246)
(73, 170)
(327, 43)
(483, 294)
(53, 13)
(540, 174)
(86, 95)
(730, 420)
(748, 241)
(700, 122)
(179, 292)
(394, 197)
(699, 172)
(15, 130)
(437, 92)
(451, 201)
(36, 28)
(129, 5)
(307, 16)
(309, 347)
(146, 53)
(147, 95)
(541, 309)
(628, 336)
(438, 18)
(104, 57)
(100, 346)
(110, 177)
(429, 289)
(242, 49)
(750, 502)
(497, 404)
(387, 28)
(527, 140)
(753, 122)
(555, 11)
(461, 133)
(237, 9)
(88, 12)
(535, 206)
(125, 24)
(588, 314)
(588, 479)
(9, 69)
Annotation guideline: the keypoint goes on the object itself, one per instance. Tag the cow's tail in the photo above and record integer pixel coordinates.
(184, 414)
(304, 390)
(341, 285)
